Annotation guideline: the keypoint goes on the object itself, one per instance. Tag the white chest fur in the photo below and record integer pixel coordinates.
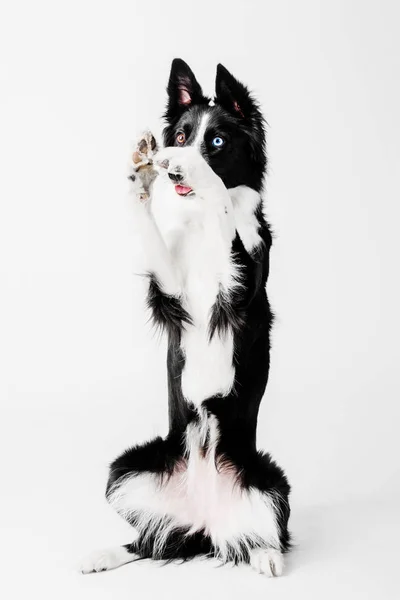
(199, 238)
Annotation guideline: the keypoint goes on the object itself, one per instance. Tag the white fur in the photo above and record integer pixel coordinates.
(199, 139)
(104, 560)
(198, 231)
(199, 496)
(157, 255)
(208, 366)
(206, 267)
(245, 201)
(267, 561)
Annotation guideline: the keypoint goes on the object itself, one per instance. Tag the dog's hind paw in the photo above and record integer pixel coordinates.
(267, 561)
(105, 560)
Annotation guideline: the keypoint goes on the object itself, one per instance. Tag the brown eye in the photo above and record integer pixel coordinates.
(181, 138)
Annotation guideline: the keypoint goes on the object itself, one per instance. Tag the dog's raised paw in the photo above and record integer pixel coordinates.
(267, 561)
(145, 149)
(144, 173)
(105, 560)
(181, 166)
(188, 171)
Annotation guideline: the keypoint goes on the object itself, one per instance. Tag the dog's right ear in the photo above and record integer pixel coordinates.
(183, 90)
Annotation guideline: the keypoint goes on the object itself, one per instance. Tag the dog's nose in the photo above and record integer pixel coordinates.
(175, 177)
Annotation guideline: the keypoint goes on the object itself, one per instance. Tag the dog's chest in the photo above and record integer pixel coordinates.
(201, 256)
(203, 266)
(201, 263)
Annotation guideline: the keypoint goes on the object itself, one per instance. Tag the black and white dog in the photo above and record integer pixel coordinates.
(205, 488)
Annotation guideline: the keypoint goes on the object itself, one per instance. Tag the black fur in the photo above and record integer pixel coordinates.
(226, 314)
(167, 311)
(236, 117)
(182, 79)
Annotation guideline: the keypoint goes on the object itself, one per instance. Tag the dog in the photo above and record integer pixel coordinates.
(205, 488)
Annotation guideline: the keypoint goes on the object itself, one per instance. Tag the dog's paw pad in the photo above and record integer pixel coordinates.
(164, 164)
(146, 147)
(176, 167)
(267, 561)
(144, 173)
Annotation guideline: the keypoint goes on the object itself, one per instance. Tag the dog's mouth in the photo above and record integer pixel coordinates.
(183, 190)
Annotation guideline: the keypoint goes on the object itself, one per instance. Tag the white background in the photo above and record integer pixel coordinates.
(82, 374)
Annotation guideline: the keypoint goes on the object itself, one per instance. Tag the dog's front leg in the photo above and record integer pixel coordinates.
(202, 188)
(164, 295)
(159, 264)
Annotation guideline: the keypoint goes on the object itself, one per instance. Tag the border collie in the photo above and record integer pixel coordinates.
(205, 488)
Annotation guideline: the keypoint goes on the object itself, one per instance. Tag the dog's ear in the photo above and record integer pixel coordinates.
(183, 90)
(233, 95)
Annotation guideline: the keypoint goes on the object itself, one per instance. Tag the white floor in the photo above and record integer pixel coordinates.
(54, 512)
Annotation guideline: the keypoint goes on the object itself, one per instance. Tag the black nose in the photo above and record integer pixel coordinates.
(175, 177)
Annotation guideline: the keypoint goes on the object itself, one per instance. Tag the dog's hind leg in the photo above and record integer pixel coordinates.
(267, 486)
(135, 490)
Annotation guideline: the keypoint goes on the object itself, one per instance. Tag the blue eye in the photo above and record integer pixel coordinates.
(218, 142)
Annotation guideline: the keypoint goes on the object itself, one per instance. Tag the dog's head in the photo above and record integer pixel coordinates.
(228, 131)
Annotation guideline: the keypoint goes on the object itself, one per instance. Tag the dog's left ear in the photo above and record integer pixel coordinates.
(233, 95)
(183, 90)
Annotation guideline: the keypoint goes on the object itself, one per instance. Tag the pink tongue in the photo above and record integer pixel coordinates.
(182, 190)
